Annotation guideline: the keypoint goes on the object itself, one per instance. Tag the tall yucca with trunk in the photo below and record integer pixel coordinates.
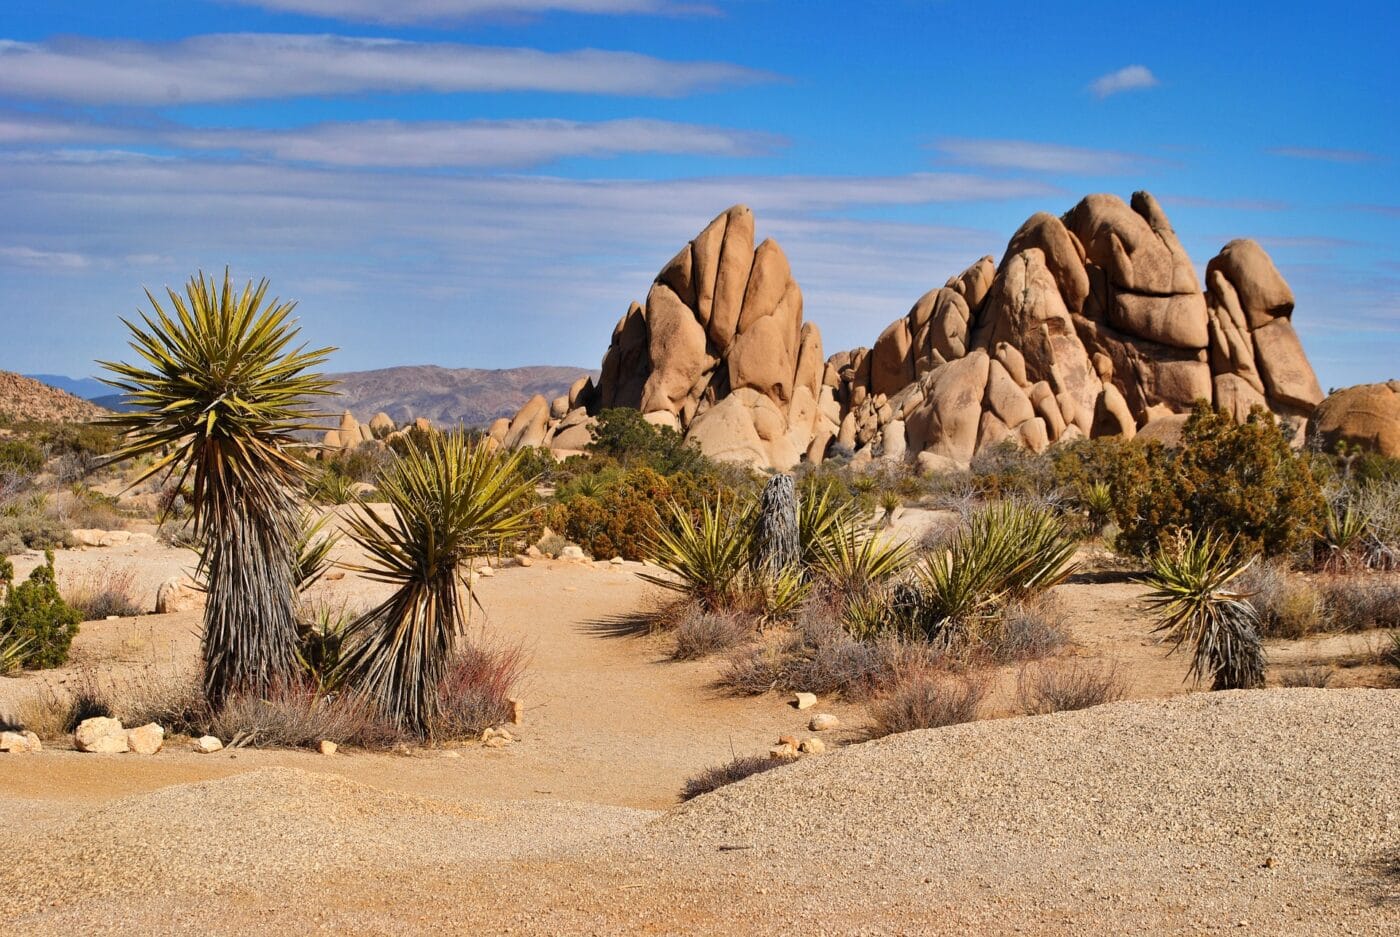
(217, 401)
(450, 500)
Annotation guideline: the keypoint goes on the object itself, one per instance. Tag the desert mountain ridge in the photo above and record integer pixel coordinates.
(23, 398)
(447, 396)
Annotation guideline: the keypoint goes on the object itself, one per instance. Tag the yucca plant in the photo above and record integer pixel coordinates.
(776, 540)
(821, 516)
(1343, 539)
(331, 487)
(850, 558)
(774, 595)
(219, 394)
(1096, 498)
(1008, 549)
(311, 552)
(451, 500)
(1191, 580)
(890, 501)
(708, 557)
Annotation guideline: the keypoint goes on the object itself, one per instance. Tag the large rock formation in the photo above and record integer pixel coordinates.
(1093, 324)
(1366, 416)
(719, 352)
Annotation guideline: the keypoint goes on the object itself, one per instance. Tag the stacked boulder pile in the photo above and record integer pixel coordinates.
(1094, 323)
(351, 433)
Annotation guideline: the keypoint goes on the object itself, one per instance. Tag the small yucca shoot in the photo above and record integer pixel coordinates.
(1192, 592)
(708, 556)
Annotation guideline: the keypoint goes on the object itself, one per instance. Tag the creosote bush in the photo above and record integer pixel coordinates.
(1240, 481)
(1362, 602)
(735, 770)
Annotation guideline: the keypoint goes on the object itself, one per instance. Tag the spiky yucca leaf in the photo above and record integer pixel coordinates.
(311, 552)
(1191, 583)
(1007, 549)
(821, 515)
(708, 557)
(217, 401)
(774, 595)
(451, 500)
(1342, 541)
(851, 558)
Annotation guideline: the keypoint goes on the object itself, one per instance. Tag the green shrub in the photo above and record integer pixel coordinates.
(36, 614)
(619, 518)
(625, 435)
(1238, 480)
(20, 456)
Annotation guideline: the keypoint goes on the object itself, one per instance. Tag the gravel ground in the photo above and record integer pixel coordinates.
(1270, 812)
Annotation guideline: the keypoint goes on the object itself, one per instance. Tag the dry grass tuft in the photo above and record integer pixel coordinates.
(1062, 686)
(1035, 627)
(1289, 606)
(927, 699)
(105, 592)
(54, 712)
(700, 633)
(1317, 677)
(736, 770)
(476, 691)
(1364, 601)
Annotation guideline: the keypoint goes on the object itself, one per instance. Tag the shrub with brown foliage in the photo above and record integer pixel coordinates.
(103, 592)
(736, 770)
(476, 692)
(1064, 685)
(926, 699)
(616, 518)
(700, 633)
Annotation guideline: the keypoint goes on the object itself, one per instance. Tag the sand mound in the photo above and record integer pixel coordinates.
(252, 832)
(1298, 773)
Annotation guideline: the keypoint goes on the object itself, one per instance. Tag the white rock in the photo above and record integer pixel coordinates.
(823, 722)
(207, 745)
(524, 560)
(616, 561)
(100, 734)
(146, 739)
(327, 747)
(812, 747)
(17, 742)
(804, 700)
(177, 595)
(573, 552)
(485, 572)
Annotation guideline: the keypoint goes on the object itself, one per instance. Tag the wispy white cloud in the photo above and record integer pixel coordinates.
(1230, 204)
(1040, 157)
(1129, 78)
(243, 66)
(490, 270)
(477, 144)
(449, 11)
(1324, 154)
(23, 256)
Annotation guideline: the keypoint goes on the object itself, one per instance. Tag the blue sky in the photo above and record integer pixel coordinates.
(487, 183)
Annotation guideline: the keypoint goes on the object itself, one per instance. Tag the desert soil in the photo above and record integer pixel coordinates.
(1266, 812)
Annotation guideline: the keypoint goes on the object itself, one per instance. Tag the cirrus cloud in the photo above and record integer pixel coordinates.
(246, 66)
(447, 11)
(1041, 157)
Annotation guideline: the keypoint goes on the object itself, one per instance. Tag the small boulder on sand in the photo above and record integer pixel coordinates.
(327, 747)
(146, 739)
(20, 743)
(823, 722)
(176, 595)
(804, 700)
(100, 734)
(207, 745)
(812, 747)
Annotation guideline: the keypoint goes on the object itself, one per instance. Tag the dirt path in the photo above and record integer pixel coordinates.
(608, 718)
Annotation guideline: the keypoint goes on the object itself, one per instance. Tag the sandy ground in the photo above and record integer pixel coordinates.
(574, 830)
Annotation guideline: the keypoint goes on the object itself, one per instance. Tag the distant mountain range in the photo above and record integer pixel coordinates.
(447, 396)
